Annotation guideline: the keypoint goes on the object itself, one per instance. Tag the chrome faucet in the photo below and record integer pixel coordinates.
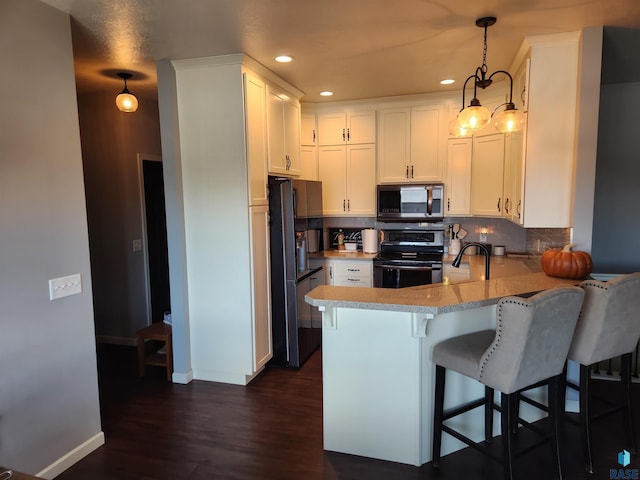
(485, 250)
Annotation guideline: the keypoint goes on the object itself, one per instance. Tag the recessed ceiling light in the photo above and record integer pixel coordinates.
(447, 81)
(283, 58)
(326, 93)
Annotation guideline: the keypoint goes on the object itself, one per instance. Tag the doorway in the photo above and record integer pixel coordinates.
(154, 222)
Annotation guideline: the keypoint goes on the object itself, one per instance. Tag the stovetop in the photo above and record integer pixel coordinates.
(411, 247)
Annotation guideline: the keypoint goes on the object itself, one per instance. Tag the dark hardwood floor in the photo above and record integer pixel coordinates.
(271, 429)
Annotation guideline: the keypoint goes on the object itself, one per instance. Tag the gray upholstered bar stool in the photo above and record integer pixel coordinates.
(527, 349)
(608, 327)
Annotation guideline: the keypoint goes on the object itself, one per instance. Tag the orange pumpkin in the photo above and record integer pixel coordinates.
(566, 263)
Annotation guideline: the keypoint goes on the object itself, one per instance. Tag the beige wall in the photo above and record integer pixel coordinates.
(111, 142)
(49, 405)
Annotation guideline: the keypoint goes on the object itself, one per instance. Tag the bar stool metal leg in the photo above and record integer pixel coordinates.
(437, 416)
(625, 378)
(488, 414)
(554, 391)
(585, 380)
(507, 405)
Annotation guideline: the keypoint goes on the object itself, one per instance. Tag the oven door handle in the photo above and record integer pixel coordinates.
(407, 267)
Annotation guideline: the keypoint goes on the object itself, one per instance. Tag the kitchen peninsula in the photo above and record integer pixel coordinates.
(376, 357)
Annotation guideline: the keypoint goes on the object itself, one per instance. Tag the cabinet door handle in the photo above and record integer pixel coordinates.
(448, 204)
(343, 135)
(411, 171)
(344, 205)
(348, 205)
(348, 134)
(406, 173)
(331, 272)
(506, 205)
(499, 200)
(314, 135)
(518, 208)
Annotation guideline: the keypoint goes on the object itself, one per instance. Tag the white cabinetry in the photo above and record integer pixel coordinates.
(487, 170)
(513, 177)
(341, 128)
(458, 183)
(550, 142)
(308, 129)
(220, 134)
(411, 144)
(349, 273)
(261, 282)
(283, 125)
(308, 148)
(348, 179)
(256, 121)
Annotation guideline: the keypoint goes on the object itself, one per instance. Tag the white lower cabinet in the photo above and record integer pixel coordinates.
(261, 282)
(349, 273)
(316, 280)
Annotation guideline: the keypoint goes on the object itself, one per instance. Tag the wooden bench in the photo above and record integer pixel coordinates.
(158, 331)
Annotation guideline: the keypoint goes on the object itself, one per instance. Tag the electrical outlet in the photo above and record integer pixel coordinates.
(65, 286)
(137, 245)
(483, 237)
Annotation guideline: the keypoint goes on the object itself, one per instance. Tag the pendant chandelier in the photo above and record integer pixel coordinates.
(475, 117)
(126, 101)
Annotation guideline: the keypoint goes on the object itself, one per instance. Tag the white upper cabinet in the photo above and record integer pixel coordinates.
(283, 125)
(458, 182)
(513, 176)
(308, 130)
(348, 179)
(550, 62)
(256, 126)
(411, 144)
(339, 128)
(487, 170)
(428, 137)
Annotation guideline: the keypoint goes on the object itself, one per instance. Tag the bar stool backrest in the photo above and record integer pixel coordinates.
(532, 338)
(609, 324)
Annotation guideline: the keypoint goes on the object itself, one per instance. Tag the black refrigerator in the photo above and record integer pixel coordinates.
(295, 208)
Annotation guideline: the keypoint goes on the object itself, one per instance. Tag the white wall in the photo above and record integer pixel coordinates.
(49, 391)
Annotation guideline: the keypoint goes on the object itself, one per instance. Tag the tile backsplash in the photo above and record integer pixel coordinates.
(499, 232)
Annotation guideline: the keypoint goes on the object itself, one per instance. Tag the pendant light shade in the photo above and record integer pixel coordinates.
(475, 117)
(126, 101)
(455, 130)
(509, 120)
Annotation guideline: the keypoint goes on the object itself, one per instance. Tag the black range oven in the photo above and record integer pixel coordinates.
(408, 258)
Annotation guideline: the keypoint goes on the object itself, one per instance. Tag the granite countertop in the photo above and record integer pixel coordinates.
(508, 277)
(343, 255)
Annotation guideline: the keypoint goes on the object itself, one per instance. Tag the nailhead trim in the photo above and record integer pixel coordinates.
(499, 332)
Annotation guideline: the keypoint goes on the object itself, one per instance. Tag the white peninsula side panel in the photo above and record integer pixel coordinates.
(378, 381)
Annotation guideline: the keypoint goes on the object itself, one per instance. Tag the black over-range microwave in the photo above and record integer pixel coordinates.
(410, 203)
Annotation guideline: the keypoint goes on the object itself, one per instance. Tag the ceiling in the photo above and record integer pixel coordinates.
(356, 48)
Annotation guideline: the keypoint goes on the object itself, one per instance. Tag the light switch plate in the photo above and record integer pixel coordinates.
(65, 286)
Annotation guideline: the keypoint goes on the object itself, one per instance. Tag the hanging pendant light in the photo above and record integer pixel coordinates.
(126, 101)
(475, 117)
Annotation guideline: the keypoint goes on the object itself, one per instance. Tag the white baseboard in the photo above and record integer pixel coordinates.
(72, 457)
(182, 378)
